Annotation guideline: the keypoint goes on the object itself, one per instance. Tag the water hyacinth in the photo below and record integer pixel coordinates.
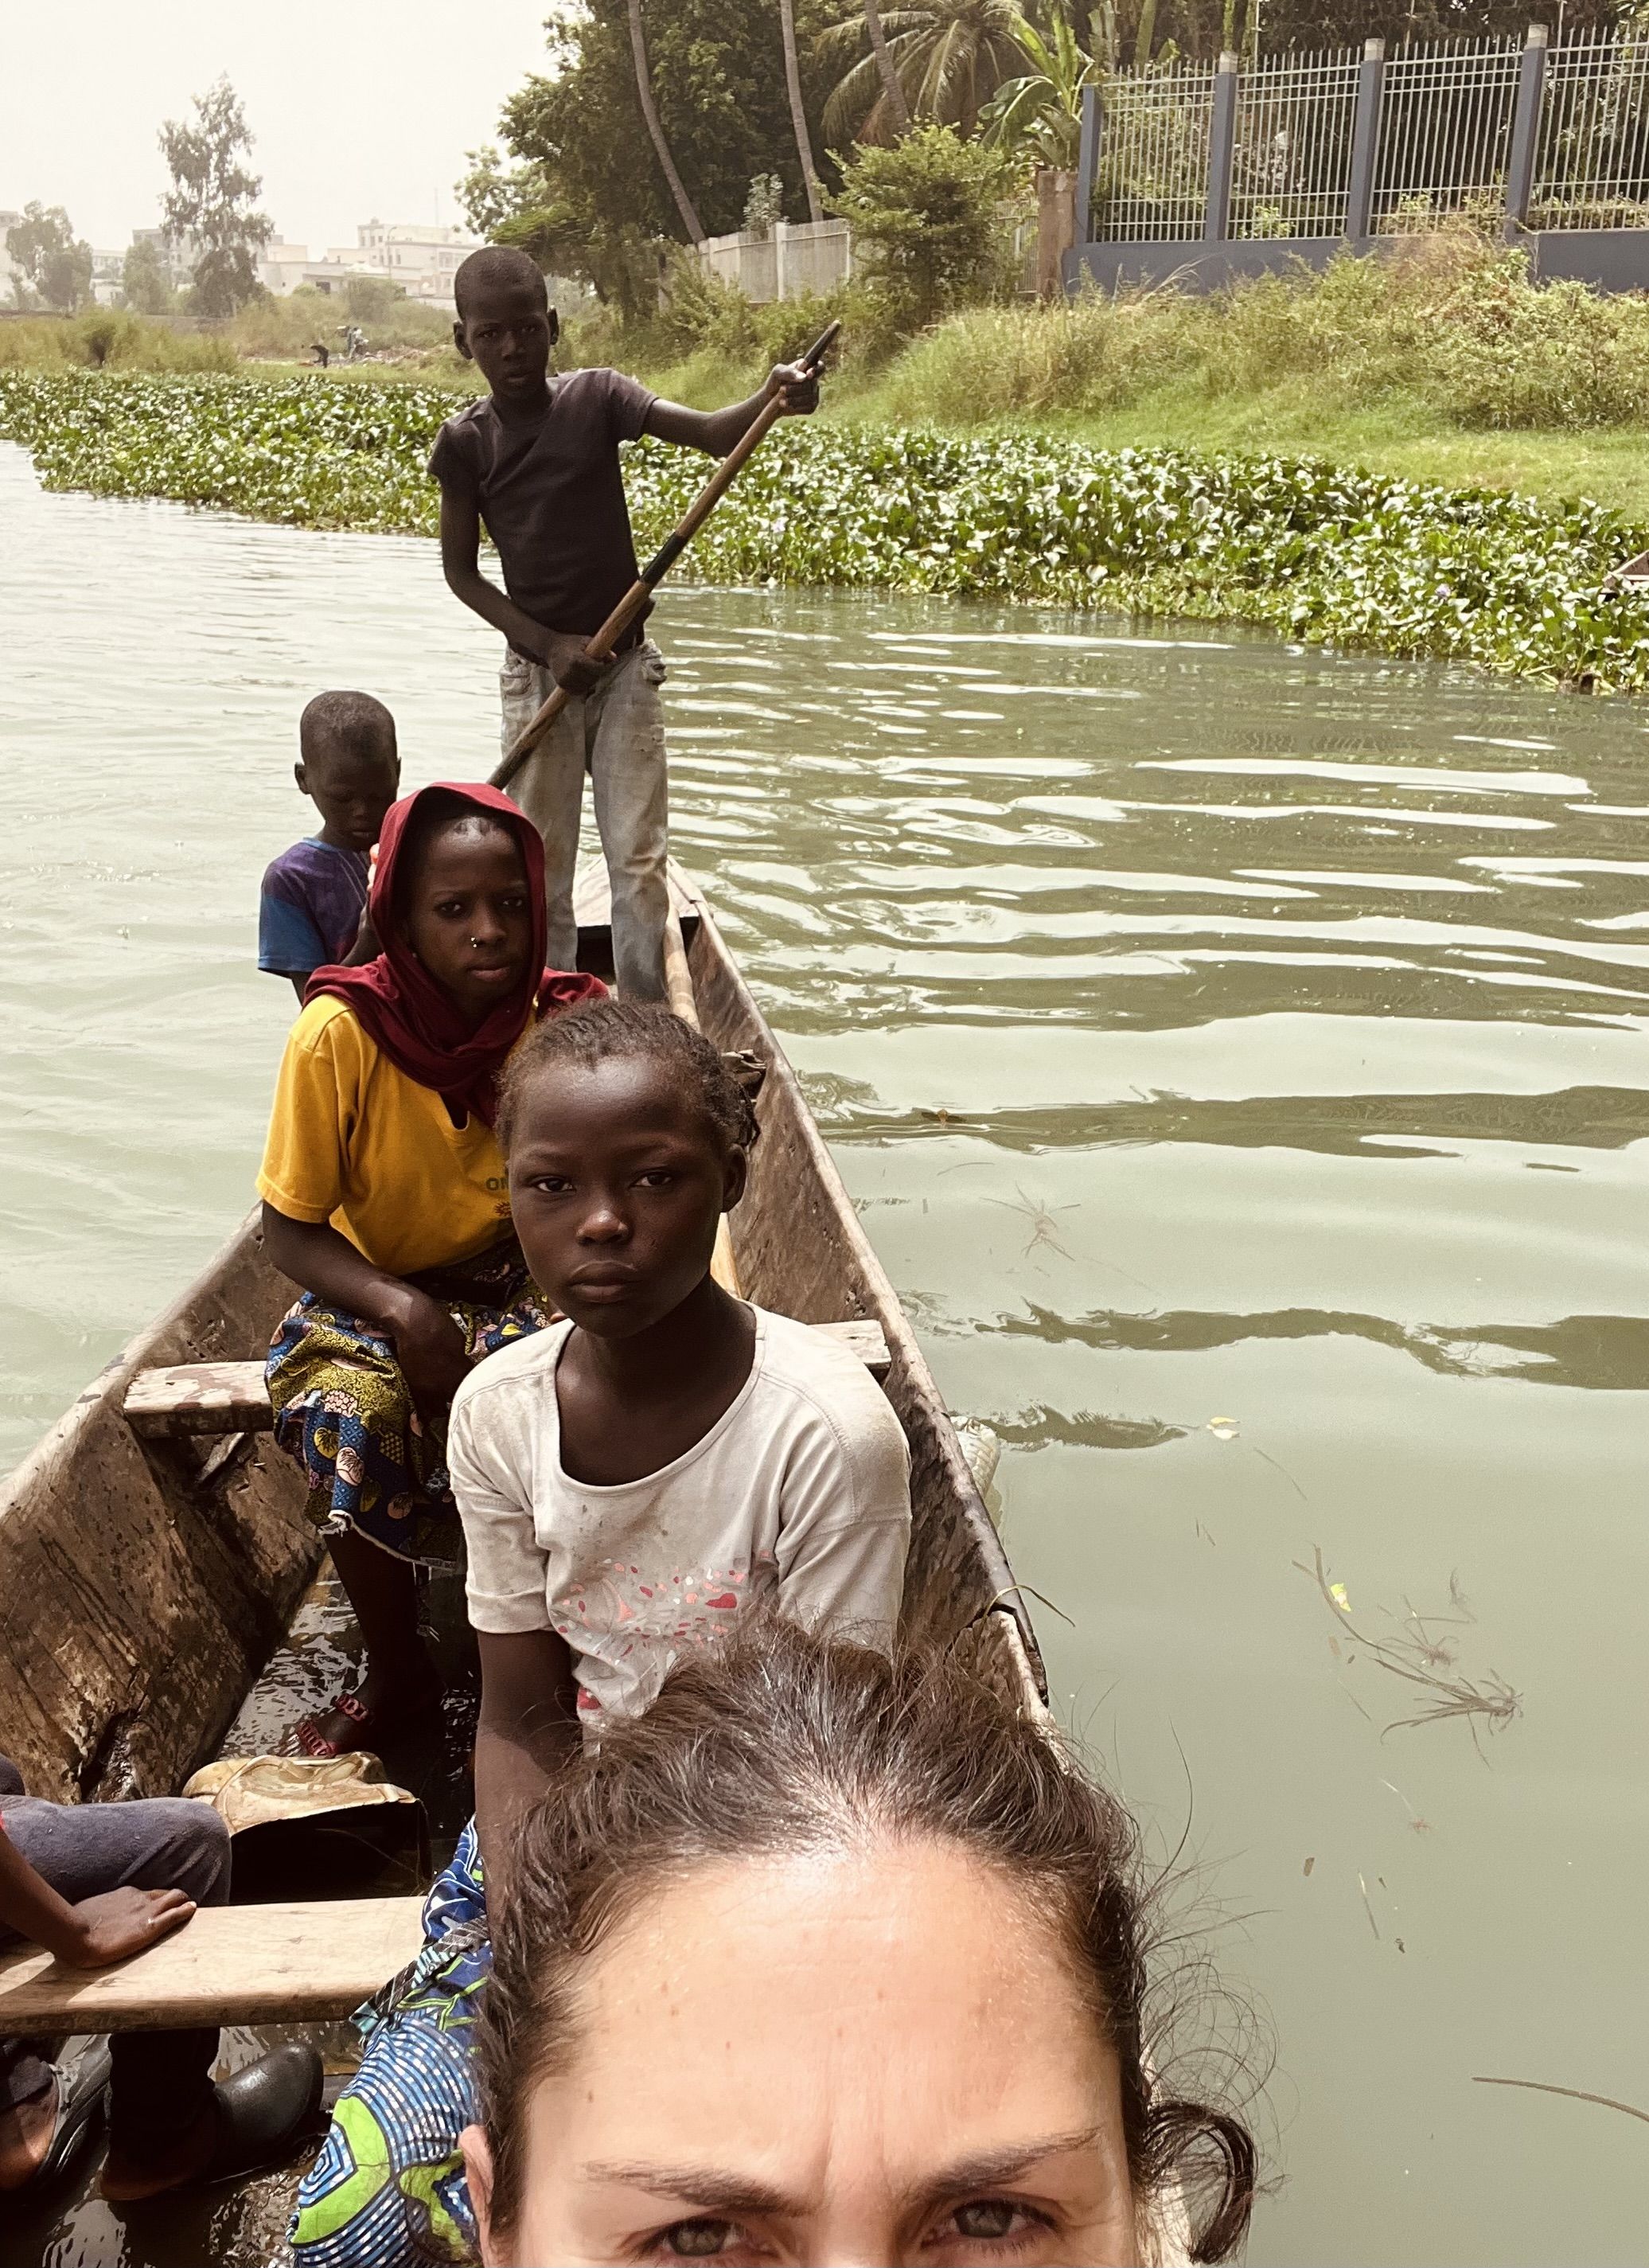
(1317, 552)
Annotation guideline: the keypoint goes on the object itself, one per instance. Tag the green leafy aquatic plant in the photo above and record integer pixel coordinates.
(1318, 552)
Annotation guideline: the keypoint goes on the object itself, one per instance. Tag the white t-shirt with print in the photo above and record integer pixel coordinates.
(801, 1488)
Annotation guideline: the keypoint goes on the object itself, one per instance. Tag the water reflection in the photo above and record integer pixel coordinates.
(1239, 1056)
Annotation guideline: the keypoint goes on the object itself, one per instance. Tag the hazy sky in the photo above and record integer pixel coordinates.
(360, 108)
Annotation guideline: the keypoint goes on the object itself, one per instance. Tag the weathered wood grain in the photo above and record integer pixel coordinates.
(266, 1964)
(198, 1397)
(137, 1606)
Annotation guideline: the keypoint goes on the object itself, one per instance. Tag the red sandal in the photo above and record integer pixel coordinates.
(376, 1725)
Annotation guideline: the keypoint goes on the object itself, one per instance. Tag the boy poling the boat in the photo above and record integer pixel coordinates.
(537, 462)
(385, 1196)
(314, 894)
(631, 1485)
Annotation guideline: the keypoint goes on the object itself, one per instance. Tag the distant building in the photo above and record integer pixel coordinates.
(108, 277)
(420, 256)
(176, 254)
(282, 267)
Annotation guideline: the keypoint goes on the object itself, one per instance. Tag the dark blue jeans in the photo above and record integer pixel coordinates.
(162, 2080)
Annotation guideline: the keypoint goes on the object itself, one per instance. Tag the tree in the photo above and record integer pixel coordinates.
(949, 57)
(516, 205)
(797, 113)
(1039, 116)
(927, 227)
(212, 199)
(1200, 28)
(146, 283)
(577, 133)
(690, 220)
(55, 265)
(893, 93)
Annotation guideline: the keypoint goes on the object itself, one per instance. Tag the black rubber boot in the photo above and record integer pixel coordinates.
(265, 2110)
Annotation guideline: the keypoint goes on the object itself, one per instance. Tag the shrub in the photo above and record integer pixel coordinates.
(927, 222)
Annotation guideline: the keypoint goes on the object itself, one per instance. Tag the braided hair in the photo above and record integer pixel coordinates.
(624, 1031)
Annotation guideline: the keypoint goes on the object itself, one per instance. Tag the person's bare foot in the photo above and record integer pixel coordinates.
(128, 2180)
(26, 2136)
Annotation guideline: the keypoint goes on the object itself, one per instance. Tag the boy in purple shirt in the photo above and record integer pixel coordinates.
(314, 894)
(538, 461)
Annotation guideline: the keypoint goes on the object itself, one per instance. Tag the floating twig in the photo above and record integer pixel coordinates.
(1421, 1658)
(1574, 2094)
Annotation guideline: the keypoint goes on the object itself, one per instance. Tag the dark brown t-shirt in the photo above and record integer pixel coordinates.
(550, 492)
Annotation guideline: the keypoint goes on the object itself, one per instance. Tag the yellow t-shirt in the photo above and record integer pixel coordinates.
(354, 1141)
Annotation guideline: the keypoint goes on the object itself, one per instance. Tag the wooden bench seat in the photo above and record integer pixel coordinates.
(274, 1964)
(231, 1397)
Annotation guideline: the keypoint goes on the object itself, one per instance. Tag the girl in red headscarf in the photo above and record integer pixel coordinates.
(385, 1196)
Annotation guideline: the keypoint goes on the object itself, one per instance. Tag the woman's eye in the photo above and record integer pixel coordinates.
(451, 910)
(698, 2240)
(990, 2217)
(549, 1185)
(991, 2220)
(656, 1177)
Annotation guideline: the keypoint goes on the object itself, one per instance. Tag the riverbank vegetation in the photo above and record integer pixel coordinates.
(1316, 552)
(1445, 364)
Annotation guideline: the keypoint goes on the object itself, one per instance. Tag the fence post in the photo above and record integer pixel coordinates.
(781, 265)
(1222, 150)
(1088, 162)
(1360, 197)
(1519, 169)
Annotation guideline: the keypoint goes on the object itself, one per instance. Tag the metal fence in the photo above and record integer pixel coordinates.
(1291, 162)
(1153, 178)
(1445, 131)
(1547, 139)
(1592, 166)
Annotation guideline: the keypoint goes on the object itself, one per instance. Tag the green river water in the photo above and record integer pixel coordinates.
(1238, 1053)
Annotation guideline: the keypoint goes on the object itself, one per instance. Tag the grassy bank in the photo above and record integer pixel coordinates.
(1442, 364)
(1316, 552)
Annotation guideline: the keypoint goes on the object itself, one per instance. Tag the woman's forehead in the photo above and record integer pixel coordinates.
(910, 1979)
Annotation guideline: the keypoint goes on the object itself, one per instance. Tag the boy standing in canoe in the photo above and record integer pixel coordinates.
(537, 460)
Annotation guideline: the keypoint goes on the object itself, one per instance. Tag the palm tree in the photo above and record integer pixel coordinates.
(1040, 115)
(797, 114)
(893, 94)
(690, 220)
(949, 57)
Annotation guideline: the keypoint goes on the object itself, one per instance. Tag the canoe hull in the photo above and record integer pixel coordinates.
(138, 1599)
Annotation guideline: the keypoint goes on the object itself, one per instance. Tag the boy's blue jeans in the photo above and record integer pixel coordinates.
(614, 733)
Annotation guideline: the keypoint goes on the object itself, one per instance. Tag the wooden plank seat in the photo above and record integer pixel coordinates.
(264, 1964)
(231, 1397)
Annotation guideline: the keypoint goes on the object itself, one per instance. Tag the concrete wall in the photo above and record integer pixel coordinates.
(812, 256)
(1609, 259)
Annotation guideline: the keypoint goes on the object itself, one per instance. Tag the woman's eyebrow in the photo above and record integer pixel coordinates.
(713, 2189)
(986, 2167)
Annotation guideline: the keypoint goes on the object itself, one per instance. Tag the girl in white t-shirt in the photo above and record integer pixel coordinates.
(633, 1478)
(629, 1481)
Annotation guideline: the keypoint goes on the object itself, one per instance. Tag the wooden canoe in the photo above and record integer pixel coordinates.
(144, 1583)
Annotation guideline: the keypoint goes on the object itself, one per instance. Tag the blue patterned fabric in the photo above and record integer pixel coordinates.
(388, 2189)
(344, 1412)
